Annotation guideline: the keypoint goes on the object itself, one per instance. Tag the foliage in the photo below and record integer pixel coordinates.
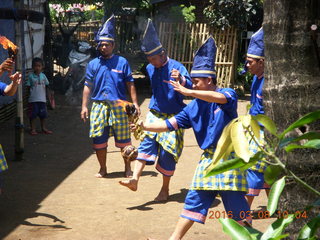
(236, 138)
(226, 13)
(182, 13)
(64, 12)
(244, 79)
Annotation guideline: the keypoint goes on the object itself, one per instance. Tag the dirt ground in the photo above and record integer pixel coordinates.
(53, 194)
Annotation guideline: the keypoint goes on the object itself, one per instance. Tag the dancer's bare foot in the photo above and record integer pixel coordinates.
(132, 184)
(162, 196)
(128, 173)
(101, 174)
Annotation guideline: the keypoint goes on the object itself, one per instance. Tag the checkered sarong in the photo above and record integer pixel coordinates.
(232, 180)
(108, 114)
(3, 162)
(171, 142)
(253, 148)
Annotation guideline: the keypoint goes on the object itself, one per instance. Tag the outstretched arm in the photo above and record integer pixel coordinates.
(158, 126)
(208, 96)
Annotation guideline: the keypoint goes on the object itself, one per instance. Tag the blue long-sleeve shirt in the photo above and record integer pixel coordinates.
(164, 98)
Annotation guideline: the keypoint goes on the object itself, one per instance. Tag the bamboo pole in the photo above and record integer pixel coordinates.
(19, 128)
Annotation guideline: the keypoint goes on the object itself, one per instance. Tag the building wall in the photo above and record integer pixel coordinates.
(32, 33)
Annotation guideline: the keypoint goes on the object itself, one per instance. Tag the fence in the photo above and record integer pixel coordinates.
(181, 40)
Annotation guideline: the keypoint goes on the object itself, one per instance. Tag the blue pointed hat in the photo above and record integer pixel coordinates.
(204, 60)
(256, 45)
(107, 31)
(150, 42)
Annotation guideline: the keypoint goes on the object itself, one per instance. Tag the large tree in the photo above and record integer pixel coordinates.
(292, 85)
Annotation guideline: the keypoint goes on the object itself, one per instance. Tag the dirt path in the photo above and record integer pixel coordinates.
(52, 193)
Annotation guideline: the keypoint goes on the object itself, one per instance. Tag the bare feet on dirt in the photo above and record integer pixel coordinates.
(162, 196)
(101, 174)
(132, 184)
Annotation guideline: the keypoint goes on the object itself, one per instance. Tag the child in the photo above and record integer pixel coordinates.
(37, 83)
(208, 114)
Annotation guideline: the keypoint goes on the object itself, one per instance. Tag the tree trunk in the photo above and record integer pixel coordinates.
(292, 88)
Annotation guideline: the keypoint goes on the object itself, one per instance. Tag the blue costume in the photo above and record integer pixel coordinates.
(208, 121)
(3, 162)
(107, 80)
(255, 175)
(165, 102)
(2, 88)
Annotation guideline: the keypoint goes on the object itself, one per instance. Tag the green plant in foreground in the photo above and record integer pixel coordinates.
(235, 138)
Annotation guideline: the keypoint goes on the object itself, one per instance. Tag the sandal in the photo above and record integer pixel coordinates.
(33, 132)
(47, 131)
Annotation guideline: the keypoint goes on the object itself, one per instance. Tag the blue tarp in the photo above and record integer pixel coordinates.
(7, 29)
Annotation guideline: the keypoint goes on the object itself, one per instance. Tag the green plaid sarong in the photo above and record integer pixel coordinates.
(171, 142)
(232, 180)
(3, 162)
(107, 113)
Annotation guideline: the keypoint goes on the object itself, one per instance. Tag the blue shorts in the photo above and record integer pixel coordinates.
(37, 109)
(255, 182)
(101, 142)
(198, 202)
(149, 150)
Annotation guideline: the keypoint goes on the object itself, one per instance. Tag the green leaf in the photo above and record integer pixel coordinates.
(272, 173)
(240, 142)
(308, 136)
(315, 143)
(280, 237)
(309, 229)
(274, 195)
(255, 128)
(245, 120)
(277, 227)
(284, 142)
(223, 143)
(253, 160)
(225, 166)
(248, 165)
(235, 230)
(227, 153)
(267, 123)
(255, 234)
(248, 107)
(306, 119)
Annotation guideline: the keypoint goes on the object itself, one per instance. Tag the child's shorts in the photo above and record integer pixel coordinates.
(255, 182)
(101, 142)
(198, 202)
(150, 149)
(37, 109)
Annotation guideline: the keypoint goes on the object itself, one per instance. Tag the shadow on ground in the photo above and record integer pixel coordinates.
(47, 161)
